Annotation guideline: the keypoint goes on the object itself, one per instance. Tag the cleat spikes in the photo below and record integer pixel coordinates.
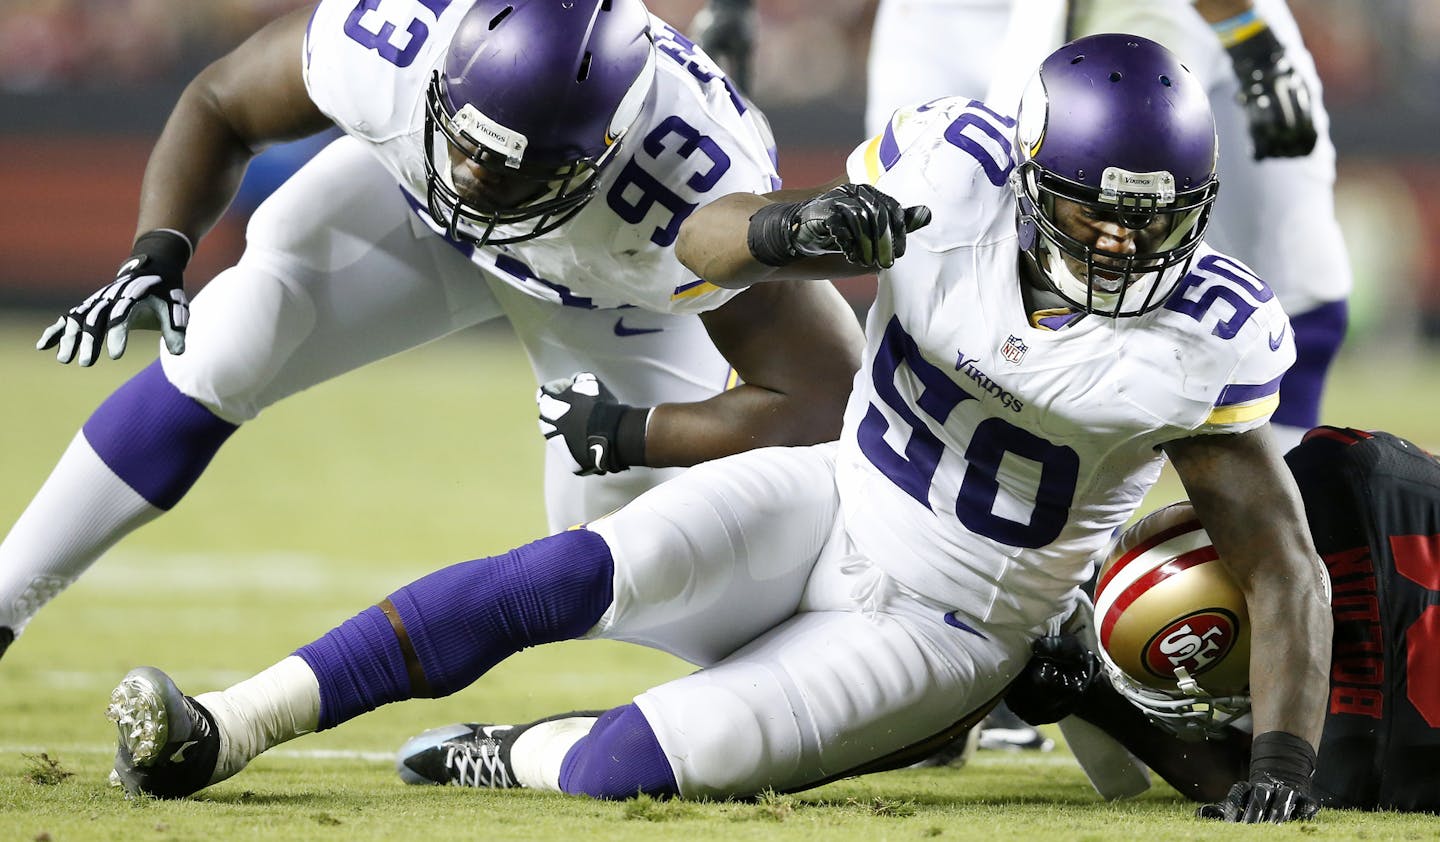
(156, 724)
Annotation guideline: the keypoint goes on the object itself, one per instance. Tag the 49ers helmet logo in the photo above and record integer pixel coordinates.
(1196, 642)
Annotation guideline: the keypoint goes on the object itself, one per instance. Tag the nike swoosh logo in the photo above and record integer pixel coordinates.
(179, 755)
(129, 266)
(598, 452)
(1276, 340)
(952, 620)
(622, 330)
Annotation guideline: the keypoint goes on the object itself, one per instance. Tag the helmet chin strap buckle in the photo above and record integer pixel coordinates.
(1187, 684)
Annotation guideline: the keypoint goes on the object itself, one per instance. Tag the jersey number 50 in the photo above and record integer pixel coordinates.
(991, 441)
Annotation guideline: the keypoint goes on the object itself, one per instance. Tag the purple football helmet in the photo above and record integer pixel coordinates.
(532, 101)
(1113, 130)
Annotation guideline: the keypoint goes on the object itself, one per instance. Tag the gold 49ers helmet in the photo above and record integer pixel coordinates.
(1173, 629)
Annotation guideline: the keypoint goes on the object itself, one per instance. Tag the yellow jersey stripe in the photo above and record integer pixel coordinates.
(698, 289)
(872, 159)
(1243, 412)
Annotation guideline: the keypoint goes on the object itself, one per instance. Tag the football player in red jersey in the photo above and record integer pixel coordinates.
(1174, 638)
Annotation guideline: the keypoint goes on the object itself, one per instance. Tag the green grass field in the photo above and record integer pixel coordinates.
(342, 494)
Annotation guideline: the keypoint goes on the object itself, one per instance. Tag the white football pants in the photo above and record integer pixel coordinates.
(816, 664)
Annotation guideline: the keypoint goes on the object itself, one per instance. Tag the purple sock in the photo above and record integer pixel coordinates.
(155, 438)
(619, 758)
(459, 622)
(1318, 334)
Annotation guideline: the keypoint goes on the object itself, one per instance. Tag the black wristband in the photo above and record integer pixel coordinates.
(770, 235)
(732, 4)
(630, 436)
(1282, 756)
(166, 247)
(623, 427)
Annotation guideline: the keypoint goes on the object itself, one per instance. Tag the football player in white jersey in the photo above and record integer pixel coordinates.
(1276, 157)
(853, 605)
(531, 159)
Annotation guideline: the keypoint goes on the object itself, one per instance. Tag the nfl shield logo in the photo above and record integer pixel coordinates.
(1013, 350)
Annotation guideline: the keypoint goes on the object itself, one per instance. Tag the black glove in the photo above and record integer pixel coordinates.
(600, 434)
(1279, 787)
(855, 220)
(1278, 103)
(1268, 800)
(147, 293)
(725, 29)
(1053, 682)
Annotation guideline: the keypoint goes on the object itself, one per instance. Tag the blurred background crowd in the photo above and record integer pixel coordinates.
(85, 86)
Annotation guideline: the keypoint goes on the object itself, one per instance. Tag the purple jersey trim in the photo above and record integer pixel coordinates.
(1007, 122)
(1246, 392)
(889, 148)
(467, 249)
(1058, 320)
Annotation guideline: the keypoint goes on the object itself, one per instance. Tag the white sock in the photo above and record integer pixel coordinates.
(263, 711)
(536, 756)
(78, 514)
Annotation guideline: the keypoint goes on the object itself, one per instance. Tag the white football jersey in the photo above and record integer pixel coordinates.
(986, 459)
(368, 64)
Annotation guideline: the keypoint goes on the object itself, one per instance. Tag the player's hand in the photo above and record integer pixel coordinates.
(1052, 683)
(1278, 103)
(147, 293)
(1268, 799)
(581, 414)
(858, 221)
(725, 29)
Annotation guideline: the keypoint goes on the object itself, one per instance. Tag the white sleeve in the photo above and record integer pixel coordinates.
(1252, 391)
(368, 69)
(873, 158)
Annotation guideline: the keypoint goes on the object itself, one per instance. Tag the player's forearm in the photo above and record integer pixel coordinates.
(194, 170)
(1252, 510)
(715, 243)
(712, 242)
(241, 103)
(1291, 629)
(740, 419)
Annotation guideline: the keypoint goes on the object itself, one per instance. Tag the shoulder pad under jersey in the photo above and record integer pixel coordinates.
(1233, 344)
(954, 155)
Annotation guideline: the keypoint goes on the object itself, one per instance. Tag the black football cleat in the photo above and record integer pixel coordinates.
(464, 754)
(168, 744)
(468, 753)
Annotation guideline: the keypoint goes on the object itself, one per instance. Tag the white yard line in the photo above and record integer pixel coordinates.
(126, 572)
